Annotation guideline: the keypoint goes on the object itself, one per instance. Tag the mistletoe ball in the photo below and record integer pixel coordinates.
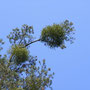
(56, 34)
(20, 54)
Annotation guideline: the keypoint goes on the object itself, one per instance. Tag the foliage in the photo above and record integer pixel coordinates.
(1, 43)
(57, 34)
(36, 77)
(8, 79)
(39, 77)
(21, 71)
(19, 54)
(21, 36)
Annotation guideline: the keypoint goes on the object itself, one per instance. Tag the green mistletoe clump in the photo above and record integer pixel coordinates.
(19, 53)
(56, 34)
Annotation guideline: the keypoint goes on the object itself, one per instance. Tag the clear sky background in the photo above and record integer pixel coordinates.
(71, 65)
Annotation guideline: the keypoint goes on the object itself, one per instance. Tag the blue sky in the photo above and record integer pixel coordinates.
(71, 65)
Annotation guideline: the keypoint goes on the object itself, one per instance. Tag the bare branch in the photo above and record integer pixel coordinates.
(32, 42)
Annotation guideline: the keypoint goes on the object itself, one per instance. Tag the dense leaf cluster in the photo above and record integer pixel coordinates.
(19, 54)
(56, 34)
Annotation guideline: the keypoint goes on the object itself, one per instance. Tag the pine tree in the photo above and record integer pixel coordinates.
(21, 71)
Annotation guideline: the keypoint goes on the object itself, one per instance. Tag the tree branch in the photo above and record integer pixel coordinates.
(32, 42)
